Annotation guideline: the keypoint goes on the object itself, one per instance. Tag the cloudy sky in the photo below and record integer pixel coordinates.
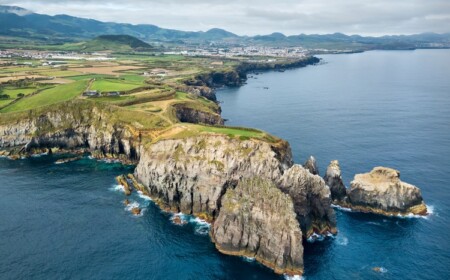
(250, 17)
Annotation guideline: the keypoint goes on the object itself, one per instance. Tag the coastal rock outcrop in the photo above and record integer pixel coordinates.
(311, 198)
(257, 220)
(190, 175)
(381, 191)
(333, 179)
(311, 165)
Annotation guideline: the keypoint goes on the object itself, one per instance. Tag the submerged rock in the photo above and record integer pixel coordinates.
(311, 165)
(257, 220)
(136, 211)
(333, 180)
(381, 191)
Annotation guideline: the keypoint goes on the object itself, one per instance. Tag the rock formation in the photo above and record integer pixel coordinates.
(257, 220)
(190, 175)
(311, 165)
(311, 198)
(381, 191)
(333, 180)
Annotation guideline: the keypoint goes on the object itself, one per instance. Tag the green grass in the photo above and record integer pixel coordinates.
(59, 73)
(88, 77)
(112, 85)
(49, 96)
(13, 92)
(4, 102)
(232, 131)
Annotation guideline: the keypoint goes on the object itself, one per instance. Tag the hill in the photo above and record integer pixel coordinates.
(116, 43)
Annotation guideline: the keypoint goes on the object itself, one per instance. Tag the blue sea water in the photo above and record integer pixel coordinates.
(68, 221)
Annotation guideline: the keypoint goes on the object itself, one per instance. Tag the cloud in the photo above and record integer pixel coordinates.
(365, 17)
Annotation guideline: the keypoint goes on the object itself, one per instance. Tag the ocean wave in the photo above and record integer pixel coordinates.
(430, 209)
(39, 155)
(341, 208)
(248, 259)
(143, 196)
(183, 219)
(294, 277)
(319, 237)
(201, 226)
(117, 188)
(132, 205)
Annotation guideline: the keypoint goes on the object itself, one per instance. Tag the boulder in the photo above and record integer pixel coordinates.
(258, 220)
(381, 191)
(333, 180)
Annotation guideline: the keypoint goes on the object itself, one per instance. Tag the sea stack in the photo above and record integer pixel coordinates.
(382, 192)
(258, 220)
(333, 180)
(311, 165)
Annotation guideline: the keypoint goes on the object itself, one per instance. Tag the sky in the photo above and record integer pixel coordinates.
(252, 17)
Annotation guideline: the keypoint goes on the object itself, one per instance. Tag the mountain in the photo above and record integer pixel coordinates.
(18, 24)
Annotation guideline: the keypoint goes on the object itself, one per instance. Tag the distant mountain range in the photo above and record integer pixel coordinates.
(19, 23)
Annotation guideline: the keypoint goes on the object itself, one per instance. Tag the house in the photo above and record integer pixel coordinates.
(91, 93)
(113, 93)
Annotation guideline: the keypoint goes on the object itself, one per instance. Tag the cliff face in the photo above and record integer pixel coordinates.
(75, 128)
(257, 220)
(192, 174)
(186, 114)
(238, 75)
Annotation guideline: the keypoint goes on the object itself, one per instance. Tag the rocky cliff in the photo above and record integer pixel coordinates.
(192, 174)
(76, 125)
(381, 191)
(205, 82)
(258, 221)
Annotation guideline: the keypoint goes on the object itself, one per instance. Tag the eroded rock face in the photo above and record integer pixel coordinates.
(311, 165)
(190, 175)
(381, 191)
(87, 127)
(187, 114)
(257, 220)
(311, 198)
(333, 180)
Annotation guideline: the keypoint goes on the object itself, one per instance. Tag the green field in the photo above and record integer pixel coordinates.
(113, 85)
(13, 92)
(48, 97)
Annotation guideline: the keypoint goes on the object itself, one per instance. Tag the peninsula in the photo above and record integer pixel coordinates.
(159, 112)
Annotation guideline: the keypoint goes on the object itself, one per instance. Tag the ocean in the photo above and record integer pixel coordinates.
(388, 108)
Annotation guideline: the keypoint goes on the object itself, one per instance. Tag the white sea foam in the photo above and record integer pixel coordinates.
(248, 259)
(374, 223)
(430, 209)
(143, 196)
(201, 226)
(39, 155)
(295, 277)
(183, 218)
(341, 208)
(132, 205)
(117, 188)
(342, 240)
